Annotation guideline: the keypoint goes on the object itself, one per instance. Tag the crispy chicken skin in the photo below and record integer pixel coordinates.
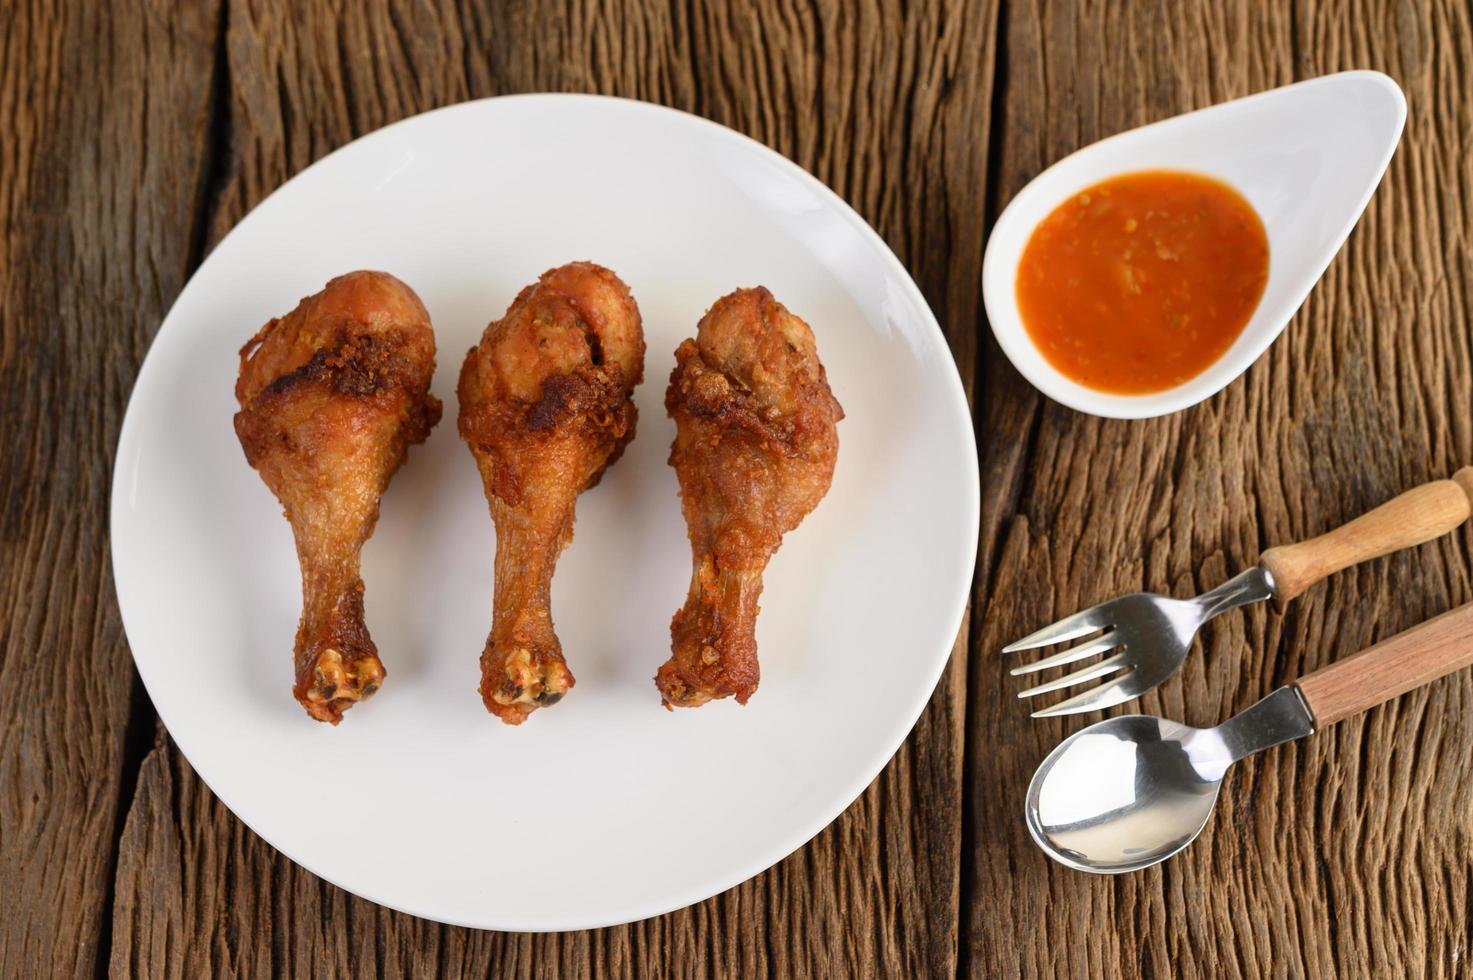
(755, 446)
(545, 406)
(331, 397)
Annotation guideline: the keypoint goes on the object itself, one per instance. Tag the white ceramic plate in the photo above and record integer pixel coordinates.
(1307, 157)
(604, 809)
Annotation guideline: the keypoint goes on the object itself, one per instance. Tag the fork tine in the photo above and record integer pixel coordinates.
(1086, 649)
(1107, 695)
(1068, 628)
(1107, 666)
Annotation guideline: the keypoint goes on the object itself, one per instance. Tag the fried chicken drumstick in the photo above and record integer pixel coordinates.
(546, 407)
(755, 446)
(331, 397)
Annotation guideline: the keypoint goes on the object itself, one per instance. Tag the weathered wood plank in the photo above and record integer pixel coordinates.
(103, 110)
(1346, 855)
(891, 109)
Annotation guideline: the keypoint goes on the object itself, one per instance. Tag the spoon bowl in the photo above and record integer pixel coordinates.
(1124, 794)
(1129, 792)
(1306, 156)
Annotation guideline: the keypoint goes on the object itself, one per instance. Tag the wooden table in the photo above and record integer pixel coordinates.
(134, 134)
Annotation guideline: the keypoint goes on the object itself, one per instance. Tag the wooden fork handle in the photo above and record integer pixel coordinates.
(1390, 668)
(1419, 515)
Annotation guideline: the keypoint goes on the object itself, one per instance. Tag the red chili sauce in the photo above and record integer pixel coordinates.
(1140, 282)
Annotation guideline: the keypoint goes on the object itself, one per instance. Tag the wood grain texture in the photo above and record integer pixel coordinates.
(1411, 518)
(890, 107)
(98, 200)
(136, 133)
(1421, 655)
(1346, 855)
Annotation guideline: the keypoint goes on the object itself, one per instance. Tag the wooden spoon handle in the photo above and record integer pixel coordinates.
(1419, 515)
(1390, 668)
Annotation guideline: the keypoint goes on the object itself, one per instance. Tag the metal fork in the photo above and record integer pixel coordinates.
(1153, 633)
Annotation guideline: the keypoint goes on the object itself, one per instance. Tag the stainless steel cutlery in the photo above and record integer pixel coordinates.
(1148, 636)
(1129, 792)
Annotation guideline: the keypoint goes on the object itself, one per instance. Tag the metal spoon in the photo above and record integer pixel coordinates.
(1129, 792)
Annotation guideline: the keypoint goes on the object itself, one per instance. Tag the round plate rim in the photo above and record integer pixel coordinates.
(864, 776)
